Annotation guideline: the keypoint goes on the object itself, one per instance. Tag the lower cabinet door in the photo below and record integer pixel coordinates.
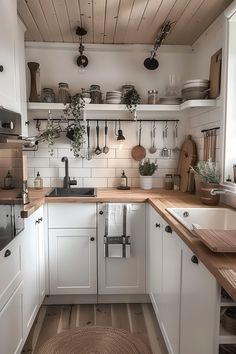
(123, 275)
(11, 330)
(199, 307)
(72, 261)
(171, 284)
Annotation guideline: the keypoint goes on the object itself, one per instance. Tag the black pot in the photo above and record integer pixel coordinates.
(70, 134)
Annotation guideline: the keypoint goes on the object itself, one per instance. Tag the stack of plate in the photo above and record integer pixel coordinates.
(170, 100)
(113, 97)
(195, 89)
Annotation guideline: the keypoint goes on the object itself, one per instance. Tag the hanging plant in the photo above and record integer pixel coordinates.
(50, 134)
(131, 100)
(76, 131)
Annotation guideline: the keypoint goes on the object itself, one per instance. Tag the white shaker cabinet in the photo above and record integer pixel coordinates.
(118, 275)
(199, 307)
(154, 272)
(72, 248)
(11, 325)
(8, 64)
(171, 284)
(33, 267)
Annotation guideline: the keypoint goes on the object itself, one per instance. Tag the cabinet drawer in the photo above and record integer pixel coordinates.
(10, 270)
(69, 215)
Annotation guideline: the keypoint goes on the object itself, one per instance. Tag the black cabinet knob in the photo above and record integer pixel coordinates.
(194, 259)
(158, 225)
(168, 229)
(101, 212)
(92, 238)
(7, 253)
(1, 68)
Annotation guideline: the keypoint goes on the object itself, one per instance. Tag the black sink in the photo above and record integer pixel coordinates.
(73, 192)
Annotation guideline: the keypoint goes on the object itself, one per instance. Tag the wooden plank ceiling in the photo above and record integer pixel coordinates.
(118, 21)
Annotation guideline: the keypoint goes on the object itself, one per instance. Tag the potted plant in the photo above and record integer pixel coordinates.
(50, 134)
(131, 99)
(76, 131)
(209, 175)
(146, 170)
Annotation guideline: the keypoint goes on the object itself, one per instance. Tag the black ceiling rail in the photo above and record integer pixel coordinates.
(63, 120)
(210, 129)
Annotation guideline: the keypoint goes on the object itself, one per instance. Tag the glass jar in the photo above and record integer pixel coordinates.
(48, 95)
(95, 94)
(152, 96)
(168, 181)
(176, 182)
(63, 93)
(124, 90)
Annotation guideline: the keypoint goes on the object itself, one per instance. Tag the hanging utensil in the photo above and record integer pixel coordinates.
(98, 150)
(165, 150)
(176, 148)
(138, 152)
(89, 151)
(153, 149)
(106, 148)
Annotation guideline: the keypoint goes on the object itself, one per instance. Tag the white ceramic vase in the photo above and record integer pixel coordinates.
(146, 182)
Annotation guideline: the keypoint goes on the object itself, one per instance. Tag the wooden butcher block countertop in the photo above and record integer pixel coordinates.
(221, 265)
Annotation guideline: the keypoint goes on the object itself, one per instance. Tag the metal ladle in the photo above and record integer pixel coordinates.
(153, 149)
(106, 148)
(98, 150)
(165, 150)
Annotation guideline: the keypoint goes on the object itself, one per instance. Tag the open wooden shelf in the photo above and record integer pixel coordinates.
(226, 337)
(122, 108)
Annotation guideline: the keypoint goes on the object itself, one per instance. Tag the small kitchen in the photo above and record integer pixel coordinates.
(118, 176)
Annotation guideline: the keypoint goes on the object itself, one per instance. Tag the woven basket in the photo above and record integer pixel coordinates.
(228, 320)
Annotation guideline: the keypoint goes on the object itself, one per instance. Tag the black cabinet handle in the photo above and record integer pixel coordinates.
(168, 229)
(158, 225)
(7, 253)
(101, 212)
(92, 238)
(40, 219)
(1, 68)
(194, 259)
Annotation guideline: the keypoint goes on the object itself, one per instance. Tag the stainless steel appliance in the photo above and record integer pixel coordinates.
(11, 159)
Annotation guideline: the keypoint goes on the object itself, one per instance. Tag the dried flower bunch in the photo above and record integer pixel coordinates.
(147, 168)
(208, 170)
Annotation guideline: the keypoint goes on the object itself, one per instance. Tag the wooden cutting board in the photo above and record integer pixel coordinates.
(187, 158)
(217, 240)
(215, 74)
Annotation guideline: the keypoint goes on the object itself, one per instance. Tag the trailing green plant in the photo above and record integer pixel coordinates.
(50, 134)
(147, 168)
(209, 171)
(76, 131)
(131, 100)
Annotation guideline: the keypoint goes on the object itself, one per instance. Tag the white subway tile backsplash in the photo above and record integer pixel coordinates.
(38, 162)
(113, 182)
(103, 172)
(130, 172)
(123, 154)
(76, 172)
(45, 152)
(65, 152)
(122, 163)
(46, 182)
(96, 163)
(95, 182)
(110, 155)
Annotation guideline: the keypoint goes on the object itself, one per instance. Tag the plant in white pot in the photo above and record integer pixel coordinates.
(209, 175)
(146, 170)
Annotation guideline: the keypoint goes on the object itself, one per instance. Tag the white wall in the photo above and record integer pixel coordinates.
(111, 67)
(210, 41)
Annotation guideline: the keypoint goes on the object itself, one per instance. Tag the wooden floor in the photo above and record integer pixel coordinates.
(139, 319)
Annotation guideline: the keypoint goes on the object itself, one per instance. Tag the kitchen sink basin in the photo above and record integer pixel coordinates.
(73, 192)
(205, 218)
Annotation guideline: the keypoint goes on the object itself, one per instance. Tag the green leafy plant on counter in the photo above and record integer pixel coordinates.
(76, 131)
(208, 171)
(147, 168)
(131, 100)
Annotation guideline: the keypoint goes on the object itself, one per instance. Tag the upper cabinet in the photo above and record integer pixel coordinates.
(8, 30)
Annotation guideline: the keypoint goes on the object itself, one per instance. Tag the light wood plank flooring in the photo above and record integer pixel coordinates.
(139, 319)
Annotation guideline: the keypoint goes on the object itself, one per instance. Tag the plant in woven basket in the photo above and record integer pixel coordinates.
(131, 100)
(147, 168)
(209, 171)
(76, 131)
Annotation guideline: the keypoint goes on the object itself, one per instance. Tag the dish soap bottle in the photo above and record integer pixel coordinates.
(8, 181)
(123, 181)
(38, 182)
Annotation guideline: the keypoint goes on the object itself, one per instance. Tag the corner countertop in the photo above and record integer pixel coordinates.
(221, 265)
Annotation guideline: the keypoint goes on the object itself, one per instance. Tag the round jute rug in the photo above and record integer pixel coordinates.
(94, 340)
